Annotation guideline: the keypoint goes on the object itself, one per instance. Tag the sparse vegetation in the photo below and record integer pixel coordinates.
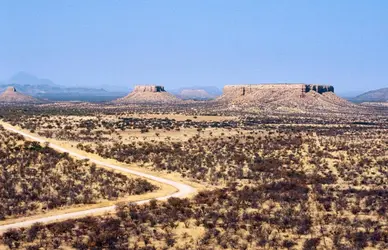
(35, 178)
(275, 181)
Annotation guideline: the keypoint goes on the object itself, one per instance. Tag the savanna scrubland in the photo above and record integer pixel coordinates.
(35, 179)
(284, 181)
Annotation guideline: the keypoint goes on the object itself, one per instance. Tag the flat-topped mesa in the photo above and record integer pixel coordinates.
(149, 88)
(281, 87)
(152, 94)
(295, 97)
(11, 89)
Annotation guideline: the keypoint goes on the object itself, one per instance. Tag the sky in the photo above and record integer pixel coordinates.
(117, 43)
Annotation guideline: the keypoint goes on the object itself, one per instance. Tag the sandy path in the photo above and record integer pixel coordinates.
(183, 189)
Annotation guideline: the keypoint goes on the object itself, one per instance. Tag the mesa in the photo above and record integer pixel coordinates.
(313, 175)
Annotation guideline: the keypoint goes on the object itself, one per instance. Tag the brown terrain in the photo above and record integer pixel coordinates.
(285, 166)
(148, 94)
(10, 95)
(289, 97)
(278, 181)
(265, 180)
(375, 104)
(284, 97)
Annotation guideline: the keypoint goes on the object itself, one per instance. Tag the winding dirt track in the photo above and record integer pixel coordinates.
(183, 189)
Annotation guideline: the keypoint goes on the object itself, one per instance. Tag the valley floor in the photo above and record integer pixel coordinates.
(263, 181)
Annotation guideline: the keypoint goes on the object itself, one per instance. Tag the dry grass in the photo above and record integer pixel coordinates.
(163, 189)
(320, 155)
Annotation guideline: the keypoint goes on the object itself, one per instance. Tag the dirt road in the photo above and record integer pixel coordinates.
(183, 189)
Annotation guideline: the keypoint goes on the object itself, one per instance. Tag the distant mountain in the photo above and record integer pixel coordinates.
(194, 94)
(378, 95)
(197, 93)
(214, 91)
(26, 78)
(29, 84)
(46, 89)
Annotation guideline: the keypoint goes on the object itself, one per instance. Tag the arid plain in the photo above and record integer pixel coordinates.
(267, 167)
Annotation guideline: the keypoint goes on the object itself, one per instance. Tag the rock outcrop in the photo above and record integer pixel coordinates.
(10, 95)
(241, 90)
(148, 88)
(298, 97)
(318, 88)
(149, 94)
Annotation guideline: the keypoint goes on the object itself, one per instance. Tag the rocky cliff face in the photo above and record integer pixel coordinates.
(281, 87)
(318, 88)
(148, 88)
(296, 97)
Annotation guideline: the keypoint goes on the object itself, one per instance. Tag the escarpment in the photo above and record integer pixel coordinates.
(286, 97)
(297, 97)
(241, 90)
(318, 88)
(149, 88)
(149, 94)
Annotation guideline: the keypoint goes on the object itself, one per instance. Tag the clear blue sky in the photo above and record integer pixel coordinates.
(97, 43)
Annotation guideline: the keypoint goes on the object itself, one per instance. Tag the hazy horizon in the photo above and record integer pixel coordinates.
(185, 44)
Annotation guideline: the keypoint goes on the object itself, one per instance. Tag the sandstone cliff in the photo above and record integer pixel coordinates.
(241, 90)
(149, 94)
(298, 97)
(148, 88)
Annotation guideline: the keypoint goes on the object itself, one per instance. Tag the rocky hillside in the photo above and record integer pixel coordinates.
(10, 95)
(148, 94)
(287, 97)
(378, 95)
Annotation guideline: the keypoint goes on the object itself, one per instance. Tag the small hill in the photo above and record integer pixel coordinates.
(378, 95)
(194, 94)
(284, 97)
(211, 90)
(10, 95)
(152, 94)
